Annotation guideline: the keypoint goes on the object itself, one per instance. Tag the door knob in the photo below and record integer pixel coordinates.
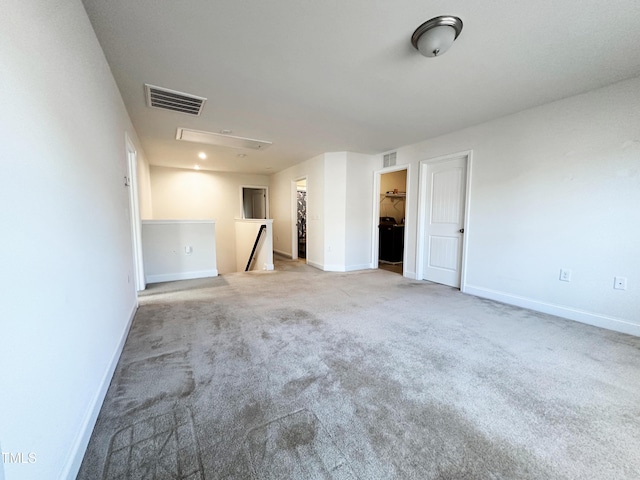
(461, 230)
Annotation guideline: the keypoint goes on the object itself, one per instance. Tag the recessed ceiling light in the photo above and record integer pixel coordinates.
(197, 167)
(225, 132)
(242, 155)
(202, 155)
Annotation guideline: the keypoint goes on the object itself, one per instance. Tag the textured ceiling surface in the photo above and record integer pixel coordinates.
(315, 77)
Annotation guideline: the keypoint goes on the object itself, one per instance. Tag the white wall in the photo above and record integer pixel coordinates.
(335, 202)
(179, 249)
(339, 209)
(66, 248)
(282, 208)
(190, 195)
(144, 188)
(359, 210)
(553, 187)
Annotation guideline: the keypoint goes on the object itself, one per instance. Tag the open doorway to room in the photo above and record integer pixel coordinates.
(301, 218)
(393, 195)
(255, 203)
(131, 181)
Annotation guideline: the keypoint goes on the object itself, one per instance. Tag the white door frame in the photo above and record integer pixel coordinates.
(376, 213)
(423, 211)
(134, 214)
(294, 217)
(257, 187)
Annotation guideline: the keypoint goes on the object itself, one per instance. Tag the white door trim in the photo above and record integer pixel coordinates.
(376, 213)
(134, 213)
(422, 212)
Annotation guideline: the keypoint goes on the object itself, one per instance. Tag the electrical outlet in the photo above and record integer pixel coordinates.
(565, 274)
(620, 283)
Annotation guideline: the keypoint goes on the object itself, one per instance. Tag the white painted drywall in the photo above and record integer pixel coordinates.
(553, 187)
(179, 249)
(144, 188)
(282, 197)
(191, 195)
(359, 210)
(66, 247)
(246, 233)
(339, 209)
(335, 211)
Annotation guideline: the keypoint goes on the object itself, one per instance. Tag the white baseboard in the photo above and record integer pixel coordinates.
(410, 275)
(284, 254)
(569, 313)
(319, 266)
(72, 465)
(339, 268)
(333, 268)
(171, 277)
(353, 268)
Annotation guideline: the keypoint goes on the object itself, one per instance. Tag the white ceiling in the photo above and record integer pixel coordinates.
(315, 77)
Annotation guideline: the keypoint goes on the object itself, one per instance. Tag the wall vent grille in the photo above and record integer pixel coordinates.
(389, 160)
(166, 99)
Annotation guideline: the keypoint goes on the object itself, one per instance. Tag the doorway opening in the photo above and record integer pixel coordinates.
(301, 218)
(392, 215)
(131, 181)
(442, 217)
(254, 202)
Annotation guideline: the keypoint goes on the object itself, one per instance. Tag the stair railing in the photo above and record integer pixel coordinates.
(255, 246)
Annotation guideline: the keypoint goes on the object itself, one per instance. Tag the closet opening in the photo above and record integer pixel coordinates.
(393, 195)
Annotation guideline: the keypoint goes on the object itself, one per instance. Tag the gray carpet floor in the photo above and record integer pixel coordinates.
(301, 374)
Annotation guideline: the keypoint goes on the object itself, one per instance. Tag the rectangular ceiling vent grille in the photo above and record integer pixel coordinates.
(166, 99)
(389, 160)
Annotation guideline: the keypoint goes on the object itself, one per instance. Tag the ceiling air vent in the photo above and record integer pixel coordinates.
(166, 99)
(389, 160)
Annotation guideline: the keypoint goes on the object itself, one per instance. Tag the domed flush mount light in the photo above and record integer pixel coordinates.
(434, 37)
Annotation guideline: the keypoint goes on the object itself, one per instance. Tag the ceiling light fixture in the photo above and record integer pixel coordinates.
(242, 155)
(197, 167)
(434, 37)
(202, 156)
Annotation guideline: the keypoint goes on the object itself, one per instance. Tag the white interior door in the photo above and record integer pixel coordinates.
(259, 204)
(445, 187)
(134, 213)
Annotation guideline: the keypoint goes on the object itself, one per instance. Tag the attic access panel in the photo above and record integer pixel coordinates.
(220, 139)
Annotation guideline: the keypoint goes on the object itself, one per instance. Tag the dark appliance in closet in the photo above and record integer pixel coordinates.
(391, 244)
